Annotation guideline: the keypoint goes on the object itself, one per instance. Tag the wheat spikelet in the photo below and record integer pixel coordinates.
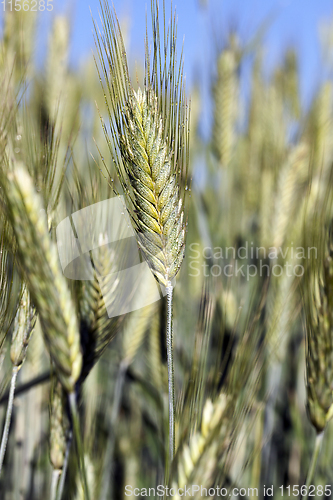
(46, 283)
(24, 324)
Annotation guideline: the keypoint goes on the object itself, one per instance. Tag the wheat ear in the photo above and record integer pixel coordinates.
(318, 303)
(206, 442)
(319, 357)
(24, 323)
(46, 283)
(149, 147)
(225, 105)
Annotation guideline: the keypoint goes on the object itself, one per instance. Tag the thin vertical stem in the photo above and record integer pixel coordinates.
(78, 442)
(171, 384)
(8, 416)
(54, 483)
(314, 460)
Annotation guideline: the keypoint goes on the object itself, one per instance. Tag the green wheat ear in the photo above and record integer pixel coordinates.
(39, 261)
(148, 141)
(157, 205)
(319, 327)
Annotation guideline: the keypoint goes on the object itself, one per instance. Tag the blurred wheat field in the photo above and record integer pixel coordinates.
(253, 299)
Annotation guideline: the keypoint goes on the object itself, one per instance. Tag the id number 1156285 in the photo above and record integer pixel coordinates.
(27, 5)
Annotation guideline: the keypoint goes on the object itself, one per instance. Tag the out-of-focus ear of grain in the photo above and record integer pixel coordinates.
(39, 262)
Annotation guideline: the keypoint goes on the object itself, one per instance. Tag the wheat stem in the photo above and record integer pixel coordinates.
(8, 416)
(78, 442)
(64, 468)
(54, 483)
(314, 459)
(169, 337)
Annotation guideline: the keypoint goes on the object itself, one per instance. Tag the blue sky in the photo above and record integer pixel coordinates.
(292, 22)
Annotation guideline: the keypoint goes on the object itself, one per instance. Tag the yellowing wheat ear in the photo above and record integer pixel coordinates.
(148, 142)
